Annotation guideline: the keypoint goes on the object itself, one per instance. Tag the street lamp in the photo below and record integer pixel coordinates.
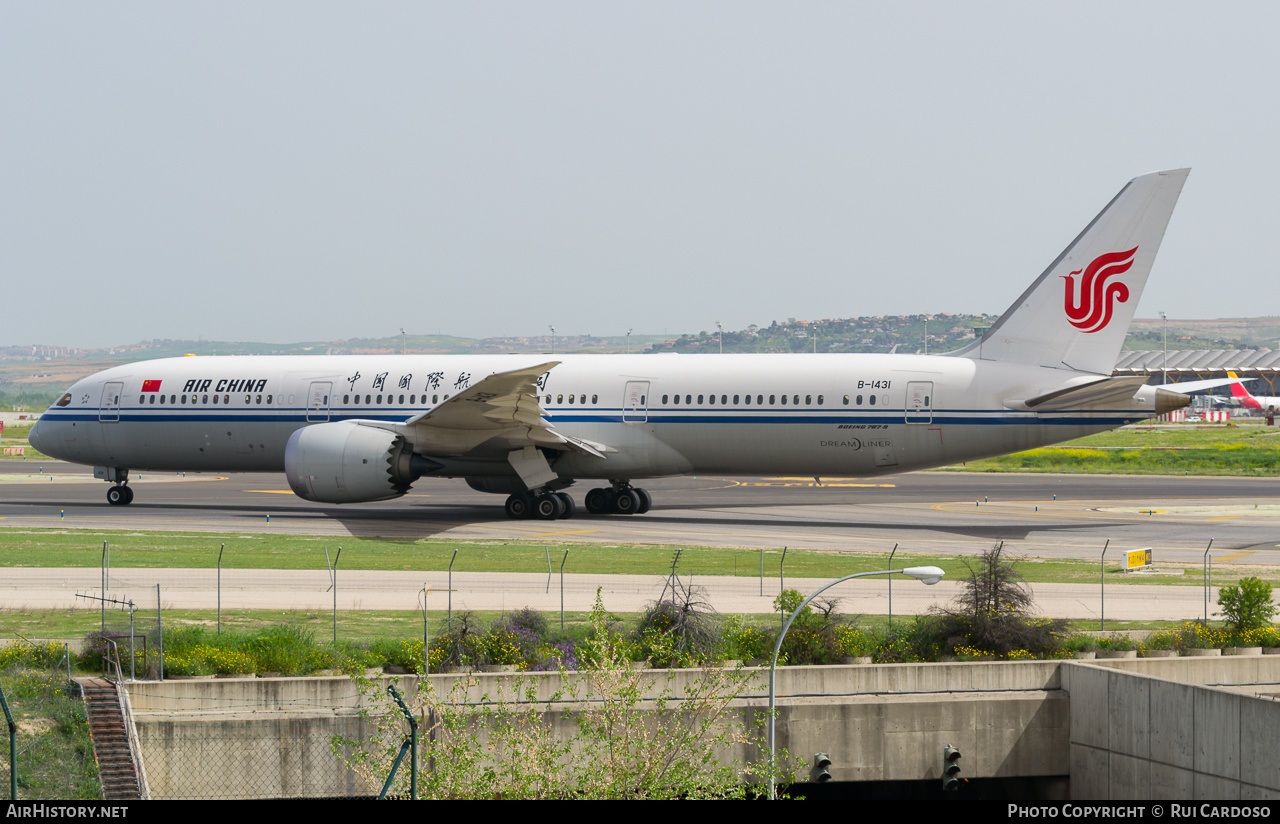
(1164, 362)
(553, 339)
(629, 331)
(721, 336)
(929, 575)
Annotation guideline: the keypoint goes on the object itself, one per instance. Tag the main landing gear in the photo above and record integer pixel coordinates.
(620, 499)
(120, 495)
(545, 506)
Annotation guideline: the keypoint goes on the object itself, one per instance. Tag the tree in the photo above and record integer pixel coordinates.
(1247, 605)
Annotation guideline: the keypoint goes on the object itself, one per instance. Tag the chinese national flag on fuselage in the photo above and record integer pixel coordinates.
(151, 386)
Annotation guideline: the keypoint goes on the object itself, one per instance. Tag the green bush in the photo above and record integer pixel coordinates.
(1247, 605)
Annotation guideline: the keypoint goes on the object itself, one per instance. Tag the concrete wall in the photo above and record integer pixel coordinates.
(258, 737)
(1154, 729)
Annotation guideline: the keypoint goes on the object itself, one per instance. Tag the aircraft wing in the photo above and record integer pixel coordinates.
(501, 409)
(1101, 392)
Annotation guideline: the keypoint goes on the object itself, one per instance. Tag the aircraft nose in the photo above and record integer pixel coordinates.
(33, 437)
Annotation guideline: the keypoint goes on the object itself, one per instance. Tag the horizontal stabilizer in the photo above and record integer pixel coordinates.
(1102, 392)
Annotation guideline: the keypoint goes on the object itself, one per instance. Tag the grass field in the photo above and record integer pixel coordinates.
(83, 548)
(1242, 450)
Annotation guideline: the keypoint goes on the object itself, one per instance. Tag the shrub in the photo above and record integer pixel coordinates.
(921, 640)
(44, 655)
(854, 642)
(1247, 605)
(462, 643)
(679, 631)
(991, 613)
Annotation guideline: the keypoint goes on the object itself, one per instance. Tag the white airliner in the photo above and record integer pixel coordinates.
(348, 429)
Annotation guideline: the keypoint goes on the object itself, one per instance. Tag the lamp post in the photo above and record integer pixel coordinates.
(1164, 361)
(929, 575)
(720, 335)
(553, 339)
(629, 331)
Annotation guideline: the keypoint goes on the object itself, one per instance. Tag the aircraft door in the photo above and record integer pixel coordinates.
(318, 401)
(635, 402)
(919, 407)
(109, 407)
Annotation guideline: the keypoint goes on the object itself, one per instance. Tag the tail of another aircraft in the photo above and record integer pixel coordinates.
(1242, 395)
(1077, 313)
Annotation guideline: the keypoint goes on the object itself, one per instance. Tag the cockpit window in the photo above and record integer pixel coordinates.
(64, 400)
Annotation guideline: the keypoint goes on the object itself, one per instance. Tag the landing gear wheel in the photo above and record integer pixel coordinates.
(120, 496)
(517, 507)
(570, 508)
(626, 502)
(128, 495)
(548, 507)
(597, 501)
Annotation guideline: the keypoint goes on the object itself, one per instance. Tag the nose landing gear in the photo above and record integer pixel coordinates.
(120, 494)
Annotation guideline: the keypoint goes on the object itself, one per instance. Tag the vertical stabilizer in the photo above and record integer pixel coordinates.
(1077, 313)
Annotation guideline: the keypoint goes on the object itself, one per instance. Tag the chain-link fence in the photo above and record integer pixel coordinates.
(130, 600)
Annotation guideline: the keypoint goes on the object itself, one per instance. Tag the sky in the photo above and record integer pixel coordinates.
(288, 171)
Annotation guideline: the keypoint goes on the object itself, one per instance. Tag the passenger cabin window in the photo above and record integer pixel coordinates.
(594, 400)
(872, 399)
(713, 400)
(772, 400)
(784, 400)
(664, 399)
(846, 400)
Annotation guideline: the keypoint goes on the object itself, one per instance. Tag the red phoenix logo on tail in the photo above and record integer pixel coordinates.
(1090, 309)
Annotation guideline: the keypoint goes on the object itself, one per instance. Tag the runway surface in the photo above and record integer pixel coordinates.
(1050, 516)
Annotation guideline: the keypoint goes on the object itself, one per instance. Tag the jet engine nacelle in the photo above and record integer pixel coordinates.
(347, 462)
